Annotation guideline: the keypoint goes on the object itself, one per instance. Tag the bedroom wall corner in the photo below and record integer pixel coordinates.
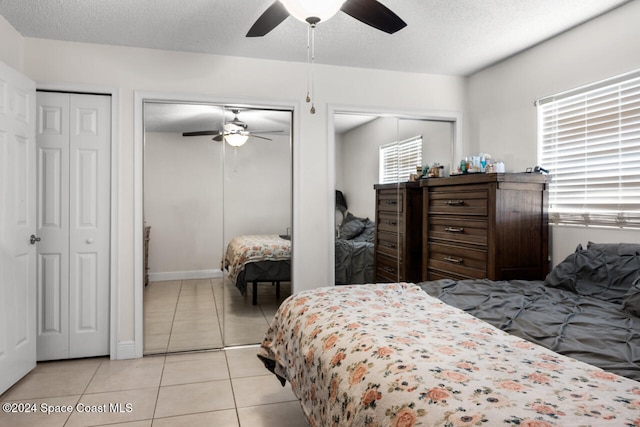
(502, 119)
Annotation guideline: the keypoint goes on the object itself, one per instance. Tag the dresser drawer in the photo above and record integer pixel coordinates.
(465, 261)
(389, 244)
(437, 275)
(458, 203)
(458, 230)
(388, 269)
(390, 201)
(390, 221)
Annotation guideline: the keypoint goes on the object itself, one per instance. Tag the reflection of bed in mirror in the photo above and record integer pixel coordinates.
(354, 250)
(258, 259)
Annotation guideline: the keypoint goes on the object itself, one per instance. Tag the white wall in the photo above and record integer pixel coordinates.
(182, 204)
(359, 152)
(200, 193)
(358, 155)
(11, 45)
(132, 69)
(502, 118)
(565, 239)
(257, 188)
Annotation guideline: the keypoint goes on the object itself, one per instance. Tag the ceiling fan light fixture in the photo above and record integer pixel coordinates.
(302, 10)
(236, 139)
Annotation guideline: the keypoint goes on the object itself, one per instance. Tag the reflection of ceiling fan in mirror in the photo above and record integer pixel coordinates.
(235, 132)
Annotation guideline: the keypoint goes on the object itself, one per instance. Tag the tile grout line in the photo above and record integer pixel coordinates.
(84, 391)
(173, 320)
(233, 393)
(155, 406)
(215, 303)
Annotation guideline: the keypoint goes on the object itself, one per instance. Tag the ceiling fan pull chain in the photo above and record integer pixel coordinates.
(312, 27)
(308, 99)
(235, 159)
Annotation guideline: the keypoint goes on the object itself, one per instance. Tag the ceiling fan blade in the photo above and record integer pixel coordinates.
(202, 133)
(261, 137)
(265, 131)
(375, 14)
(271, 18)
(218, 138)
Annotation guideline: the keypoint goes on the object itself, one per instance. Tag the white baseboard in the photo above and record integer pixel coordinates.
(184, 275)
(125, 350)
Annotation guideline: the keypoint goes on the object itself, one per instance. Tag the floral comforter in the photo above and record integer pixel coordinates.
(391, 355)
(242, 250)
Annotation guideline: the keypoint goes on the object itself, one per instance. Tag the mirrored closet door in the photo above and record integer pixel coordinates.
(257, 221)
(203, 169)
(183, 179)
(378, 201)
(358, 141)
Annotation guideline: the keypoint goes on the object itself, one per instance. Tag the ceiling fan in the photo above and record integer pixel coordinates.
(234, 132)
(370, 12)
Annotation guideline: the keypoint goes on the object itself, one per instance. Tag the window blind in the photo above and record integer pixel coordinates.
(590, 143)
(399, 160)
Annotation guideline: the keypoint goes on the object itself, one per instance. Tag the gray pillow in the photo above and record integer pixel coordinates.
(351, 229)
(352, 217)
(616, 248)
(598, 273)
(369, 232)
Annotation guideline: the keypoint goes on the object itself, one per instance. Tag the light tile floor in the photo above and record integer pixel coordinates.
(193, 314)
(208, 388)
(198, 388)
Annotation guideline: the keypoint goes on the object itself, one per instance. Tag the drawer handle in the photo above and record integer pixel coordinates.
(390, 202)
(453, 260)
(389, 269)
(389, 245)
(455, 202)
(454, 229)
(390, 222)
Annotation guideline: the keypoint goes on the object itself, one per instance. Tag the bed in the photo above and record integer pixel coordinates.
(354, 251)
(587, 308)
(258, 258)
(399, 356)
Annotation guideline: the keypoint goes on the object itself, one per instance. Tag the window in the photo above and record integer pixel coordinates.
(399, 160)
(589, 140)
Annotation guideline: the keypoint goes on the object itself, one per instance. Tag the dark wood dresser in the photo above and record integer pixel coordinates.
(398, 238)
(491, 226)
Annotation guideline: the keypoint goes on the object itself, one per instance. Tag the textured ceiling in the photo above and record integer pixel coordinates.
(455, 37)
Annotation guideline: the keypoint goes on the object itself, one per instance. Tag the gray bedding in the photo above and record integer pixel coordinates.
(263, 271)
(354, 262)
(354, 251)
(587, 308)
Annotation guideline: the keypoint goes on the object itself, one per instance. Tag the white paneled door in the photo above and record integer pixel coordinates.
(17, 225)
(73, 136)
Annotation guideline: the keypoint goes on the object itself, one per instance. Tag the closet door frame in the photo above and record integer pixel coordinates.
(118, 349)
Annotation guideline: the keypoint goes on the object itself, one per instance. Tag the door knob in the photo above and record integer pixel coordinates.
(89, 241)
(33, 239)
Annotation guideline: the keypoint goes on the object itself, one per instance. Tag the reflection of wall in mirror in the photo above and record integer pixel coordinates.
(186, 203)
(357, 155)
